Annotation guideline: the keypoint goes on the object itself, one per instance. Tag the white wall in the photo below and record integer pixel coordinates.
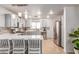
(50, 24)
(2, 20)
(50, 31)
(71, 20)
(62, 31)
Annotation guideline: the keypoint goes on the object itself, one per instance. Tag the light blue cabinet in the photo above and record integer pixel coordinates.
(7, 20)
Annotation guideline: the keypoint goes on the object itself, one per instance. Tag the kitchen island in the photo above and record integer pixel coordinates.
(30, 43)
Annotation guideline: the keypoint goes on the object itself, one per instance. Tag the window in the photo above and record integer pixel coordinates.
(35, 25)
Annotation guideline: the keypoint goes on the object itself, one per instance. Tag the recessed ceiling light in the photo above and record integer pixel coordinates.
(13, 16)
(51, 12)
(26, 12)
(39, 16)
(39, 12)
(30, 17)
(20, 14)
(48, 16)
(26, 16)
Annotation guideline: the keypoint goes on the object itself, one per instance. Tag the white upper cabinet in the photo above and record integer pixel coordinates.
(21, 22)
(14, 21)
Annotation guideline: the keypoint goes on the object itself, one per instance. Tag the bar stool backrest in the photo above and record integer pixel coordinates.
(18, 43)
(34, 44)
(4, 43)
(34, 47)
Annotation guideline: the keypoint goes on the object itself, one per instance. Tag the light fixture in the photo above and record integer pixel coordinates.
(30, 16)
(39, 16)
(13, 16)
(48, 16)
(51, 12)
(39, 12)
(26, 12)
(26, 16)
(20, 14)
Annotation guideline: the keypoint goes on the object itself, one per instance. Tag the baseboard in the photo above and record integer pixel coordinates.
(70, 52)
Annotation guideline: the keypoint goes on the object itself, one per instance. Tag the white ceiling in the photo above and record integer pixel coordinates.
(34, 8)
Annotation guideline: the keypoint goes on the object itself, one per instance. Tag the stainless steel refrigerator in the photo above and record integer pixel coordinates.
(58, 33)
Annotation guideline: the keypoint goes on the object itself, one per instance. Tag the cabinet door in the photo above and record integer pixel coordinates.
(21, 22)
(13, 22)
(7, 20)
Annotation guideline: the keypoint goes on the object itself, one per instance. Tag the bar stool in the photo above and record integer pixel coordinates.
(34, 47)
(4, 46)
(18, 46)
